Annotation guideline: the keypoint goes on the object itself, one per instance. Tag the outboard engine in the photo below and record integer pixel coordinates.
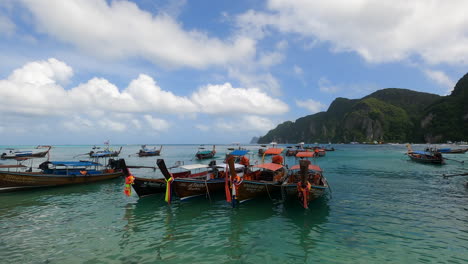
(44, 165)
(113, 164)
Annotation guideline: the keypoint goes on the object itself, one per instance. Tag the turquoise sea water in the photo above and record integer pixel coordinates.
(383, 209)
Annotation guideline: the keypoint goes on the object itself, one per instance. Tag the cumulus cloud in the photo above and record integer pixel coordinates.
(257, 123)
(35, 90)
(78, 123)
(157, 124)
(112, 125)
(217, 99)
(251, 78)
(378, 31)
(120, 29)
(249, 123)
(30, 89)
(441, 78)
(311, 105)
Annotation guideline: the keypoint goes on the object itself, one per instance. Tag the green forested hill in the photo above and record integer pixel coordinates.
(391, 115)
(447, 118)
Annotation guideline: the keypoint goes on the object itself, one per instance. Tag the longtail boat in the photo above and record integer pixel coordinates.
(205, 154)
(207, 183)
(150, 186)
(262, 181)
(293, 152)
(452, 151)
(319, 152)
(261, 151)
(239, 157)
(55, 173)
(149, 152)
(107, 152)
(425, 156)
(36, 153)
(305, 181)
(271, 151)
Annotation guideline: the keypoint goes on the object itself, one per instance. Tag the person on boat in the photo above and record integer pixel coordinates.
(316, 179)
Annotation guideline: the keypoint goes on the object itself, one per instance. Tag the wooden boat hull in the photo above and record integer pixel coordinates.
(33, 155)
(248, 190)
(289, 191)
(24, 180)
(148, 186)
(148, 154)
(189, 188)
(455, 151)
(205, 156)
(320, 154)
(426, 160)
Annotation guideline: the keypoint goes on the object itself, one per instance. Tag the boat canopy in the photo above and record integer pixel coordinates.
(74, 163)
(269, 166)
(224, 165)
(421, 152)
(311, 167)
(194, 166)
(239, 152)
(273, 151)
(305, 154)
(103, 153)
(444, 149)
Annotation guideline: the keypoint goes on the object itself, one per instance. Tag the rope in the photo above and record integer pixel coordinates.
(266, 186)
(207, 190)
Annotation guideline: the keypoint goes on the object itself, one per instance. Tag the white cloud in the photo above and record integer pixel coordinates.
(225, 126)
(217, 99)
(379, 31)
(311, 105)
(157, 124)
(120, 30)
(78, 123)
(33, 95)
(269, 59)
(248, 123)
(298, 70)
(257, 123)
(34, 89)
(251, 78)
(136, 123)
(282, 45)
(112, 125)
(327, 87)
(441, 78)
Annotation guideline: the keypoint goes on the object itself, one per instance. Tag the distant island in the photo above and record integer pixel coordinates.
(388, 115)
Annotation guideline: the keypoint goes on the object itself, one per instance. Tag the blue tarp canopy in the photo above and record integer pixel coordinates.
(239, 152)
(74, 163)
(444, 150)
(422, 152)
(101, 154)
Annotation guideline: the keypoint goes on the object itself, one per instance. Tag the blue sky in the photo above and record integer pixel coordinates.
(168, 72)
